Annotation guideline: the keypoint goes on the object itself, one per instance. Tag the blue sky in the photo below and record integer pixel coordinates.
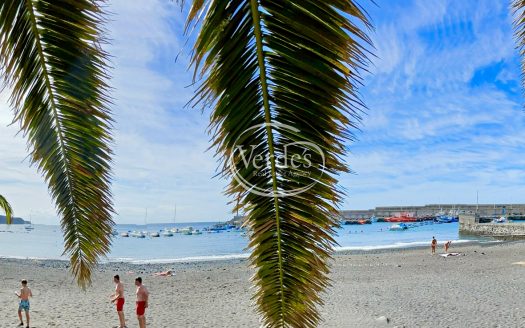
(445, 116)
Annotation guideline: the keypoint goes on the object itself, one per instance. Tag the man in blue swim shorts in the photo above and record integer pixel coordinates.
(24, 295)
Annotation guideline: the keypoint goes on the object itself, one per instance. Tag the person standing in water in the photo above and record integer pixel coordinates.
(118, 299)
(433, 245)
(24, 295)
(142, 302)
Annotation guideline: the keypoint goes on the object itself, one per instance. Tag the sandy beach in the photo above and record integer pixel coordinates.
(410, 287)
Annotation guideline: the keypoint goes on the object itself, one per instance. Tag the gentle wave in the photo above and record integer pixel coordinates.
(11, 257)
(208, 258)
(413, 244)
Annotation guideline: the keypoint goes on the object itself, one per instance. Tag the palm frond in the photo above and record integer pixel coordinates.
(518, 7)
(281, 76)
(52, 60)
(6, 207)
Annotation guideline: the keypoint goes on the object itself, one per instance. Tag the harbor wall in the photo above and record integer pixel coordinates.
(469, 225)
(511, 210)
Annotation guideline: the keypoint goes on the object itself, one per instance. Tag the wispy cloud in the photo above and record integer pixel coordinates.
(445, 114)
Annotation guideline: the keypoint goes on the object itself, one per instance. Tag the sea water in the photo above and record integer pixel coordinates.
(46, 241)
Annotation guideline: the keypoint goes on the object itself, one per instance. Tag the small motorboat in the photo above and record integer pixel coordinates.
(351, 222)
(186, 231)
(196, 232)
(500, 220)
(124, 234)
(398, 227)
(138, 234)
(154, 235)
(167, 233)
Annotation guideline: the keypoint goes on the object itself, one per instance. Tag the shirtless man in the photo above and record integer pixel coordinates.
(433, 245)
(118, 298)
(142, 301)
(24, 295)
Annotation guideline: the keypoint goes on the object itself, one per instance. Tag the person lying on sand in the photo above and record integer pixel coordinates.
(24, 295)
(168, 273)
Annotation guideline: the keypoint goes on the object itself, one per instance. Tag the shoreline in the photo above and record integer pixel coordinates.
(344, 250)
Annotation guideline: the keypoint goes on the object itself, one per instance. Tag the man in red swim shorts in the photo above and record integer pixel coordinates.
(118, 299)
(142, 301)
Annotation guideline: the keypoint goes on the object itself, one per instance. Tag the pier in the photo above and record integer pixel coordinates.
(473, 225)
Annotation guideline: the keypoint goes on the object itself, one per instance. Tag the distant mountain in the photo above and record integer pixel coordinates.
(13, 221)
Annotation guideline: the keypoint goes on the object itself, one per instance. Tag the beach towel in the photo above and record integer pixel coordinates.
(449, 254)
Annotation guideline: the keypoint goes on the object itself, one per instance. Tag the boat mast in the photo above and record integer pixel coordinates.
(477, 201)
(238, 200)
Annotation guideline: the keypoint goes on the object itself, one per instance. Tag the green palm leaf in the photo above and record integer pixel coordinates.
(52, 60)
(281, 76)
(6, 207)
(518, 7)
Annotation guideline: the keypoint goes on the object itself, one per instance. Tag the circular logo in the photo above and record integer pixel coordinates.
(297, 165)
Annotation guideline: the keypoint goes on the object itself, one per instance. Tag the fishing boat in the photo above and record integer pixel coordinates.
(219, 227)
(186, 231)
(196, 232)
(445, 219)
(351, 222)
(401, 218)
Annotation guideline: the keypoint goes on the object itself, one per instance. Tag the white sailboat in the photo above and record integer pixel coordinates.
(174, 230)
(29, 227)
(169, 232)
(138, 233)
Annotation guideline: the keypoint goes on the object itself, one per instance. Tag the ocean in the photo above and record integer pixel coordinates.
(46, 242)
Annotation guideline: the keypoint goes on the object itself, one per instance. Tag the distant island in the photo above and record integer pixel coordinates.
(13, 221)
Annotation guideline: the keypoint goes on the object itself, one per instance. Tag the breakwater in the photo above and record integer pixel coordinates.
(470, 225)
(511, 210)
